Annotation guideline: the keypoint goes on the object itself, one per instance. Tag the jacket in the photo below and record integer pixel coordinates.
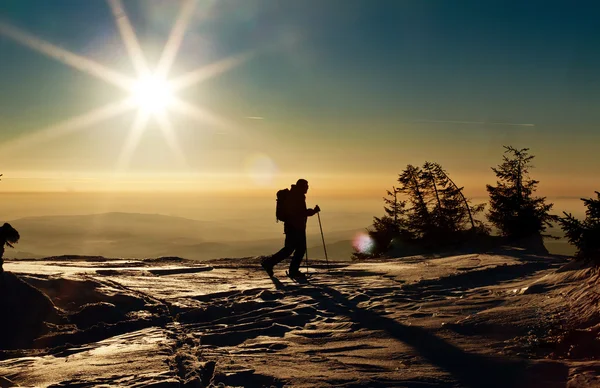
(296, 210)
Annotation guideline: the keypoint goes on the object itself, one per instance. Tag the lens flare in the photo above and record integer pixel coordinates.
(363, 243)
(261, 169)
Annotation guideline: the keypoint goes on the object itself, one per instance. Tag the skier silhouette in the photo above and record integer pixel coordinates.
(292, 210)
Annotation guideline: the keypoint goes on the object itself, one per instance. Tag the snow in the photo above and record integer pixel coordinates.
(471, 320)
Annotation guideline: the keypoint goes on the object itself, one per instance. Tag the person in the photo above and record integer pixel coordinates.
(8, 236)
(294, 227)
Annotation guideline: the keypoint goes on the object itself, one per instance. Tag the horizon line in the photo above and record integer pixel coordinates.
(229, 192)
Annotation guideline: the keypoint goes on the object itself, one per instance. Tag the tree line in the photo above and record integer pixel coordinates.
(428, 211)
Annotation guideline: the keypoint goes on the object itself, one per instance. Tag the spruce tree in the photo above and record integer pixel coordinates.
(392, 225)
(458, 211)
(433, 212)
(434, 186)
(585, 235)
(419, 221)
(514, 210)
(452, 212)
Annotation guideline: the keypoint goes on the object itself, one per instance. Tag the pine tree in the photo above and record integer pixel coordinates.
(458, 207)
(514, 211)
(420, 221)
(394, 208)
(435, 186)
(452, 211)
(433, 212)
(392, 225)
(585, 235)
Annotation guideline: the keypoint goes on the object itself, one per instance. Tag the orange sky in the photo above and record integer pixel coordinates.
(262, 110)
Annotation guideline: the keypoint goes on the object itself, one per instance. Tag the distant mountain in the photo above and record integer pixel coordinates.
(117, 234)
(134, 235)
(18, 254)
(112, 225)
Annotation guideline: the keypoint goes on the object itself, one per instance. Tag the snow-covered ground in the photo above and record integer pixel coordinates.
(462, 321)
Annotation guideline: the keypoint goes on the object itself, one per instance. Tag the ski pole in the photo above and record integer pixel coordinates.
(306, 251)
(323, 238)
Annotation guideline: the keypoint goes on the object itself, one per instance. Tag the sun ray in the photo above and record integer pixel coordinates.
(78, 62)
(68, 126)
(129, 37)
(172, 141)
(151, 92)
(133, 138)
(209, 71)
(202, 115)
(175, 38)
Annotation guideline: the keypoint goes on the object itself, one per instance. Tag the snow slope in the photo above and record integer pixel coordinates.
(462, 321)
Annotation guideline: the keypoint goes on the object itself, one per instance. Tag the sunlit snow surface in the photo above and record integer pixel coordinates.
(439, 322)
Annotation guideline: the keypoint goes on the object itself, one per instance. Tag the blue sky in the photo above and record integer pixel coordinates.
(343, 86)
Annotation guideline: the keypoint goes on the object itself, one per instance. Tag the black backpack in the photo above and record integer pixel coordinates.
(281, 209)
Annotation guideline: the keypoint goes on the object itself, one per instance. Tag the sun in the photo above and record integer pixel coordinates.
(152, 94)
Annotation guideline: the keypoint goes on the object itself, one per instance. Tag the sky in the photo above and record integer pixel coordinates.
(344, 93)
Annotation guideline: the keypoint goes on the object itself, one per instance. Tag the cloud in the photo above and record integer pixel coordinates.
(474, 122)
(255, 117)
